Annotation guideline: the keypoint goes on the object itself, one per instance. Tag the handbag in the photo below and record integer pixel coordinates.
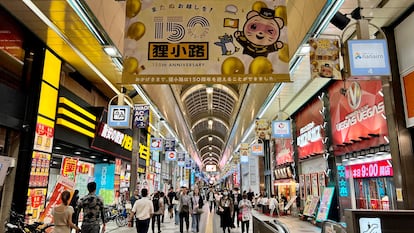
(200, 211)
(240, 216)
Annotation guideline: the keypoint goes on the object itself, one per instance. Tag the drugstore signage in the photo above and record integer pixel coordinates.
(375, 169)
(192, 42)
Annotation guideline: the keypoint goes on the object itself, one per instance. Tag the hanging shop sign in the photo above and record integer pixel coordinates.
(212, 41)
(156, 144)
(368, 58)
(169, 144)
(263, 129)
(119, 116)
(171, 155)
(283, 151)
(374, 169)
(357, 115)
(257, 149)
(181, 159)
(211, 168)
(244, 149)
(141, 115)
(309, 132)
(69, 168)
(281, 129)
(188, 162)
(324, 58)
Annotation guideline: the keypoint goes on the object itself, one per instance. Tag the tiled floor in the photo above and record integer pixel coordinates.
(210, 223)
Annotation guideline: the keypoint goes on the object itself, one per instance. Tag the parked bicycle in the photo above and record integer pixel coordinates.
(16, 224)
(112, 213)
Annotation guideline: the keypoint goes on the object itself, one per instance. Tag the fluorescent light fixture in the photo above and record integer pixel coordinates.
(50, 24)
(111, 51)
(209, 90)
(210, 138)
(92, 157)
(105, 159)
(58, 147)
(77, 152)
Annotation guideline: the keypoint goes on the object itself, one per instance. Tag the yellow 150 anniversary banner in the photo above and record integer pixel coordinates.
(211, 41)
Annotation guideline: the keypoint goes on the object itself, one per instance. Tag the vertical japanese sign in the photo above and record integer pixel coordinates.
(141, 115)
(206, 41)
(43, 138)
(324, 58)
(342, 182)
(69, 168)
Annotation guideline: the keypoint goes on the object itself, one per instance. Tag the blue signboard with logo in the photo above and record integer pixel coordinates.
(368, 58)
(119, 116)
(281, 129)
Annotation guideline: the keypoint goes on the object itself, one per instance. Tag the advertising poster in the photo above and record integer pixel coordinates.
(325, 204)
(321, 181)
(43, 138)
(357, 115)
(281, 129)
(61, 185)
(310, 205)
(407, 82)
(69, 167)
(105, 181)
(39, 173)
(308, 185)
(206, 42)
(315, 185)
(324, 58)
(244, 149)
(309, 131)
(141, 115)
(263, 129)
(283, 151)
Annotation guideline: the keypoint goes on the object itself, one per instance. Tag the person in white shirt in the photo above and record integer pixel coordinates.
(273, 204)
(143, 210)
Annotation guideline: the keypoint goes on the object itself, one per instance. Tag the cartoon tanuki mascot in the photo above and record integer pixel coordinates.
(261, 32)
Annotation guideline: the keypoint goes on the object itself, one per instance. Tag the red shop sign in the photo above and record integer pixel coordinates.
(374, 169)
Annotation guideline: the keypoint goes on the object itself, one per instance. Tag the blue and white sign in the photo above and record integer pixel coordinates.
(181, 159)
(141, 115)
(119, 116)
(170, 155)
(281, 129)
(369, 58)
(169, 144)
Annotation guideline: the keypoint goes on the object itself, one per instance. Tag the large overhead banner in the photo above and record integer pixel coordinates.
(187, 42)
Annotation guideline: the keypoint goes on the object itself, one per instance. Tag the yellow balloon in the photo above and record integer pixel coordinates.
(258, 5)
(132, 8)
(136, 31)
(232, 65)
(284, 53)
(260, 65)
(131, 65)
(280, 11)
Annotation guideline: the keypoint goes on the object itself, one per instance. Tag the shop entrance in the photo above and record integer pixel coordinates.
(375, 193)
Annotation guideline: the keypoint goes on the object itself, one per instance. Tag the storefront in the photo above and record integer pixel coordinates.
(283, 172)
(361, 144)
(312, 153)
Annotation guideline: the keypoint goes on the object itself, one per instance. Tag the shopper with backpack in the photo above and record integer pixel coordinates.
(158, 205)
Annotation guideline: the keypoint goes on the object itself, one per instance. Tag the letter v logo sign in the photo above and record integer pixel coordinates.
(354, 95)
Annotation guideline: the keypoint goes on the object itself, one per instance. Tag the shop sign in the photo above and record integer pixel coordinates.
(281, 129)
(357, 113)
(375, 169)
(368, 58)
(257, 149)
(37, 198)
(262, 129)
(170, 155)
(181, 159)
(43, 138)
(113, 135)
(169, 144)
(119, 116)
(212, 41)
(141, 115)
(69, 167)
(156, 144)
(342, 182)
(283, 151)
(324, 58)
(188, 163)
(244, 149)
(309, 140)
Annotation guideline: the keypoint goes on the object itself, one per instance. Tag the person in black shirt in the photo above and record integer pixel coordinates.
(171, 196)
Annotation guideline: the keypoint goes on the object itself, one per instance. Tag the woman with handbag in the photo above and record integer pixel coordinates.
(245, 212)
(226, 210)
(197, 203)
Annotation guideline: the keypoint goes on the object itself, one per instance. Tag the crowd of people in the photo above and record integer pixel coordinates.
(232, 207)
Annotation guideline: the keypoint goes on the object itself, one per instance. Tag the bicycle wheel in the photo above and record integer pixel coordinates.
(121, 221)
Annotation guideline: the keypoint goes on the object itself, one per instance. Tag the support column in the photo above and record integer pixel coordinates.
(267, 167)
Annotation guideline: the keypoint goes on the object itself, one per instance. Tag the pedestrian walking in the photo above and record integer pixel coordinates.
(171, 202)
(245, 207)
(236, 196)
(273, 204)
(133, 199)
(74, 204)
(142, 211)
(158, 205)
(62, 215)
(93, 211)
(197, 206)
(185, 205)
(226, 208)
(211, 200)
